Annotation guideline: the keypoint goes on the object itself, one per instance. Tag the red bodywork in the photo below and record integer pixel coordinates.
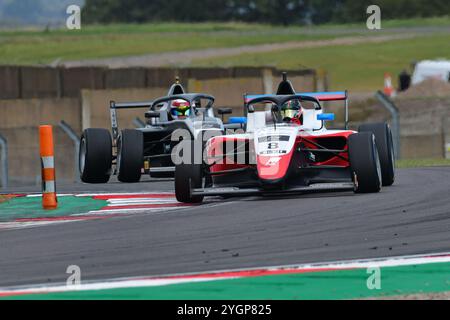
(215, 152)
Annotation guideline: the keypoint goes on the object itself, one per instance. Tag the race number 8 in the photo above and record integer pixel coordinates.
(272, 145)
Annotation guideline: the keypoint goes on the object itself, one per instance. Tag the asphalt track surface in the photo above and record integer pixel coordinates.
(411, 217)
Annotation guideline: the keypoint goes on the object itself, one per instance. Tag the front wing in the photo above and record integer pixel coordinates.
(234, 191)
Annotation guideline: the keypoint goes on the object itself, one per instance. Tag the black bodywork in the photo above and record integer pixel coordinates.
(160, 125)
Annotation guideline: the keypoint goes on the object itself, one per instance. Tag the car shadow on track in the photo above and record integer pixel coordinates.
(309, 195)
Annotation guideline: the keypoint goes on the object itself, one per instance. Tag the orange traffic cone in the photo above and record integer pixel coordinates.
(388, 88)
(49, 200)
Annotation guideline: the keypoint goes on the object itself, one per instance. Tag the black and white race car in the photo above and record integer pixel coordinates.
(147, 150)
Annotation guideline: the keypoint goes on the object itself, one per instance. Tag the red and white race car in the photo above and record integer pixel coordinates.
(284, 147)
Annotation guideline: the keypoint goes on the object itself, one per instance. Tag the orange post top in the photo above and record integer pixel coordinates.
(46, 141)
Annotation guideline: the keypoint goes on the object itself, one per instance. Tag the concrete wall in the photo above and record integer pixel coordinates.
(422, 123)
(24, 82)
(228, 92)
(95, 106)
(19, 122)
(423, 127)
(227, 85)
(422, 146)
(40, 82)
(76, 79)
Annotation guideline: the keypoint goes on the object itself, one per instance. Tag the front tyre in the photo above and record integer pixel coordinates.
(385, 146)
(364, 162)
(95, 156)
(130, 155)
(188, 176)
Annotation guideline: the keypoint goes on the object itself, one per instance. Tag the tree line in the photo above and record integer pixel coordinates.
(283, 12)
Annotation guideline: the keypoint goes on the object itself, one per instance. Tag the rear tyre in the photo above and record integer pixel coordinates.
(383, 137)
(95, 156)
(364, 162)
(130, 155)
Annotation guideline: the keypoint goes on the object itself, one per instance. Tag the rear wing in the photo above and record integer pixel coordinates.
(113, 106)
(332, 96)
(320, 96)
(327, 96)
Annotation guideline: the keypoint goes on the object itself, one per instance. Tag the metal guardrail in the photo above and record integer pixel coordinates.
(76, 141)
(3, 162)
(395, 115)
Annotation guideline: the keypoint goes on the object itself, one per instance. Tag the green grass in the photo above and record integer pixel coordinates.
(358, 67)
(34, 46)
(416, 163)
(443, 21)
(329, 285)
(96, 41)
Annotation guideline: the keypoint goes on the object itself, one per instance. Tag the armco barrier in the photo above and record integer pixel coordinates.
(395, 118)
(76, 143)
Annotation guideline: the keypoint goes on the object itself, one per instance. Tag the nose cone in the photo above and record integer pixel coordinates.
(273, 168)
(274, 147)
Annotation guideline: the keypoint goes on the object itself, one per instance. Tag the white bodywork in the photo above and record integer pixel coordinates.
(269, 140)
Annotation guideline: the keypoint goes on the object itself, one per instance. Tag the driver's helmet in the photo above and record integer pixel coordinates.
(180, 109)
(292, 111)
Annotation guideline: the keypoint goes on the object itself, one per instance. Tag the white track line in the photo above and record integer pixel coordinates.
(121, 194)
(112, 207)
(208, 276)
(130, 211)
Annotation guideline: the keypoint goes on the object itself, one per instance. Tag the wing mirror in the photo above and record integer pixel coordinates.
(325, 116)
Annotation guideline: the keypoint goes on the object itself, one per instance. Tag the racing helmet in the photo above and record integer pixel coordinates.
(180, 109)
(292, 111)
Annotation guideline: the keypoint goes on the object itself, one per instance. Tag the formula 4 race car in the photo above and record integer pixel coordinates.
(286, 148)
(146, 150)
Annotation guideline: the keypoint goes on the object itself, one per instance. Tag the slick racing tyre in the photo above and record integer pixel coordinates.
(188, 176)
(364, 162)
(383, 137)
(130, 155)
(95, 156)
